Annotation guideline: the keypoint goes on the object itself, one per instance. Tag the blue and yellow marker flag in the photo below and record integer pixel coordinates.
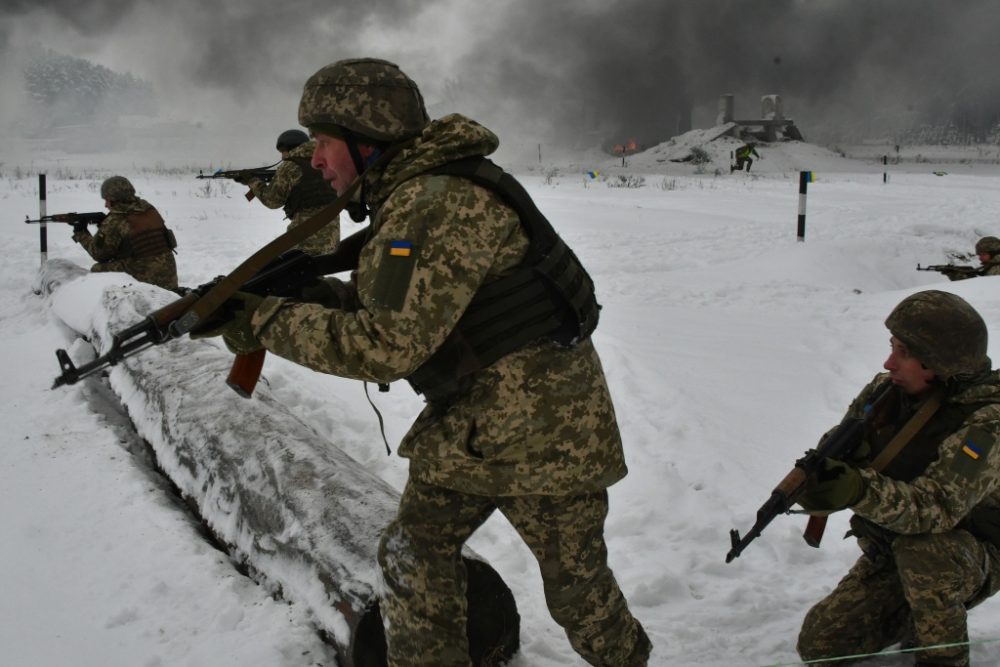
(400, 248)
(808, 176)
(593, 173)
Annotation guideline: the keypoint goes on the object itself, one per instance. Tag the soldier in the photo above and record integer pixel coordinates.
(132, 238)
(518, 416)
(743, 157)
(928, 524)
(299, 189)
(987, 249)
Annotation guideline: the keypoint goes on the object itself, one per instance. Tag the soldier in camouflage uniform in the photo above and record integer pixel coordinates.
(132, 238)
(988, 251)
(299, 189)
(928, 524)
(533, 434)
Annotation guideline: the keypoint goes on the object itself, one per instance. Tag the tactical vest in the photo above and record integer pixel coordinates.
(310, 192)
(549, 295)
(148, 235)
(922, 450)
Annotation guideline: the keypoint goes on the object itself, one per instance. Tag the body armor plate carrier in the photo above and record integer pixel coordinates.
(549, 295)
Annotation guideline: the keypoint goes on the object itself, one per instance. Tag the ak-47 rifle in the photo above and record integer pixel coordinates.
(241, 175)
(950, 270)
(198, 306)
(74, 219)
(286, 276)
(838, 444)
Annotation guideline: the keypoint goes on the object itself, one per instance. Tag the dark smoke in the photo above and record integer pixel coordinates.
(580, 73)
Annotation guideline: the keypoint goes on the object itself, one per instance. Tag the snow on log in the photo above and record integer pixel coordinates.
(304, 517)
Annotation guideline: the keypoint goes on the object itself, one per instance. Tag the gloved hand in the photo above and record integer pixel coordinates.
(79, 228)
(328, 292)
(837, 485)
(232, 322)
(243, 178)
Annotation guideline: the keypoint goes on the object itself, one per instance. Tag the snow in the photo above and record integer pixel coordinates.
(729, 348)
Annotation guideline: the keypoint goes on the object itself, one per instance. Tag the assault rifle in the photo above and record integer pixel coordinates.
(951, 269)
(285, 276)
(74, 219)
(265, 174)
(839, 444)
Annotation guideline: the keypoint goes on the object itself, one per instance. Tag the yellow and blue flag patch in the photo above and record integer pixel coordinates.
(400, 248)
(974, 451)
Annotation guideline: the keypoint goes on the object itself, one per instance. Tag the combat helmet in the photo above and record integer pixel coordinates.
(989, 245)
(290, 139)
(117, 188)
(943, 331)
(371, 98)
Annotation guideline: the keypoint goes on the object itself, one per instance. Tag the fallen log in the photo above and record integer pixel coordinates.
(303, 516)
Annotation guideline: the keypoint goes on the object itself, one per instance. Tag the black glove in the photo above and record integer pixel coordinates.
(243, 178)
(80, 227)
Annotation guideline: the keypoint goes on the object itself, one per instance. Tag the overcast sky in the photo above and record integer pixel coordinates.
(584, 72)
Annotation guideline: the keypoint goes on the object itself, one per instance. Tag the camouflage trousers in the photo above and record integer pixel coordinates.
(325, 240)
(918, 595)
(424, 607)
(159, 270)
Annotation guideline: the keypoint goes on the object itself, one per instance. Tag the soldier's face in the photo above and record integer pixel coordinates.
(984, 257)
(905, 370)
(332, 158)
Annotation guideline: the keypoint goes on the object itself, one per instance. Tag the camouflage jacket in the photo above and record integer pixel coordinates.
(279, 191)
(538, 421)
(991, 268)
(949, 468)
(111, 247)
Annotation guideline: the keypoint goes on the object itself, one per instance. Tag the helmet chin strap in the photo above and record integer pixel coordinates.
(359, 210)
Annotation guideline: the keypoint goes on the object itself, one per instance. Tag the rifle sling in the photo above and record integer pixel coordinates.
(230, 284)
(910, 429)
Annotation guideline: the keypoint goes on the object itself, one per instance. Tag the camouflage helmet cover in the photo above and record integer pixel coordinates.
(117, 188)
(941, 330)
(370, 97)
(290, 139)
(989, 245)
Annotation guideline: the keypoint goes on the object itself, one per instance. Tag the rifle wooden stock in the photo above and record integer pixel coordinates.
(245, 372)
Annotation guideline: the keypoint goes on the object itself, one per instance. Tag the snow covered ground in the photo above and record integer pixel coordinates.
(729, 347)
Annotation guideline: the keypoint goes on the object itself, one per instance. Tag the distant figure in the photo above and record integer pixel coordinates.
(988, 251)
(132, 238)
(743, 154)
(300, 190)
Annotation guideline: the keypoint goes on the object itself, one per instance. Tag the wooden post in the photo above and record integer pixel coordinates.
(805, 177)
(43, 238)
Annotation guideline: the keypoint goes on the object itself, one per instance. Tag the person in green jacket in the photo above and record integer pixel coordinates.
(531, 433)
(927, 524)
(743, 154)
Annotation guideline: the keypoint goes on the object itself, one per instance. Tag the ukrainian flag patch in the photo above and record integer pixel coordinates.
(970, 449)
(975, 448)
(400, 248)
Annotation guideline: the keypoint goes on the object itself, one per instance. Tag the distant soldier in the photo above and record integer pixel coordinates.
(743, 154)
(300, 190)
(132, 238)
(988, 251)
